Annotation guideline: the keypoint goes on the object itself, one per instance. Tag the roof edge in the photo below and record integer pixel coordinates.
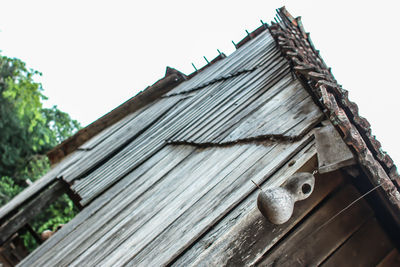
(171, 79)
(296, 46)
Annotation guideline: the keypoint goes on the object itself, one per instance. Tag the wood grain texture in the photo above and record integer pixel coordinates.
(149, 202)
(254, 53)
(367, 247)
(29, 211)
(159, 205)
(133, 186)
(253, 236)
(333, 153)
(313, 241)
(305, 157)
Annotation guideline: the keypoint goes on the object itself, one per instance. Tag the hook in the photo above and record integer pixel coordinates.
(194, 67)
(234, 44)
(264, 24)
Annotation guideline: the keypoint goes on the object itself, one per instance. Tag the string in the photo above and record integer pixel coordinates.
(348, 206)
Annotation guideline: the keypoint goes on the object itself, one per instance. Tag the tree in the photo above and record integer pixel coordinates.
(27, 132)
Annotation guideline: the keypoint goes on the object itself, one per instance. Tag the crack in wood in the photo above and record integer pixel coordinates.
(218, 79)
(266, 140)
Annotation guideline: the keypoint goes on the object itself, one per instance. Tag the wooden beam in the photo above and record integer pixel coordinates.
(365, 248)
(30, 210)
(333, 153)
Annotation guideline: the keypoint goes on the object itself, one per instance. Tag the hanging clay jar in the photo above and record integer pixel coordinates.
(276, 204)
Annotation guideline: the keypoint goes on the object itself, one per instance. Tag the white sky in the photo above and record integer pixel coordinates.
(94, 55)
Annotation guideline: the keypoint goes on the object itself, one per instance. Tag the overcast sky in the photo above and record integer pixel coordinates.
(94, 55)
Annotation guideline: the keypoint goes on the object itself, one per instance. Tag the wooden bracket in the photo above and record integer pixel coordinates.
(332, 151)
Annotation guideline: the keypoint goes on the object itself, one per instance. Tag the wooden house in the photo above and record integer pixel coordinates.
(167, 177)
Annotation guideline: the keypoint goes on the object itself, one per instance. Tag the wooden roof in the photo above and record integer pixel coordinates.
(176, 168)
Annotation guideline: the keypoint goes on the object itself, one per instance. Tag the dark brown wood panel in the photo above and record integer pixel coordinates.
(391, 259)
(314, 240)
(367, 247)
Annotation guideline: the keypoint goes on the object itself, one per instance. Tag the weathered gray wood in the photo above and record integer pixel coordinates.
(64, 247)
(198, 177)
(227, 103)
(129, 158)
(135, 183)
(315, 239)
(220, 230)
(284, 115)
(136, 187)
(253, 236)
(367, 247)
(333, 153)
(141, 122)
(209, 209)
(145, 206)
(103, 135)
(252, 54)
(255, 91)
(188, 200)
(28, 212)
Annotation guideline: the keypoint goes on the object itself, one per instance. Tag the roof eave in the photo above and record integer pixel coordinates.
(296, 45)
(171, 79)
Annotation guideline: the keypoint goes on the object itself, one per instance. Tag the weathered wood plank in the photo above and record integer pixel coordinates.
(28, 212)
(220, 230)
(314, 240)
(258, 92)
(142, 121)
(137, 203)
(253, 236)
(252, 54)
(392, 259)
(228, 100)
(199, 176)
(140, 210)
(107, 132)
(367, 247)
(333, 153)
(102, 208)
(283, 115)
(165, 245)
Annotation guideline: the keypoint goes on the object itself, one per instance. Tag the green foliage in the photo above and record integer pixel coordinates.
(59, 213)
(59, 124)
(27, 132)
(8, 189)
